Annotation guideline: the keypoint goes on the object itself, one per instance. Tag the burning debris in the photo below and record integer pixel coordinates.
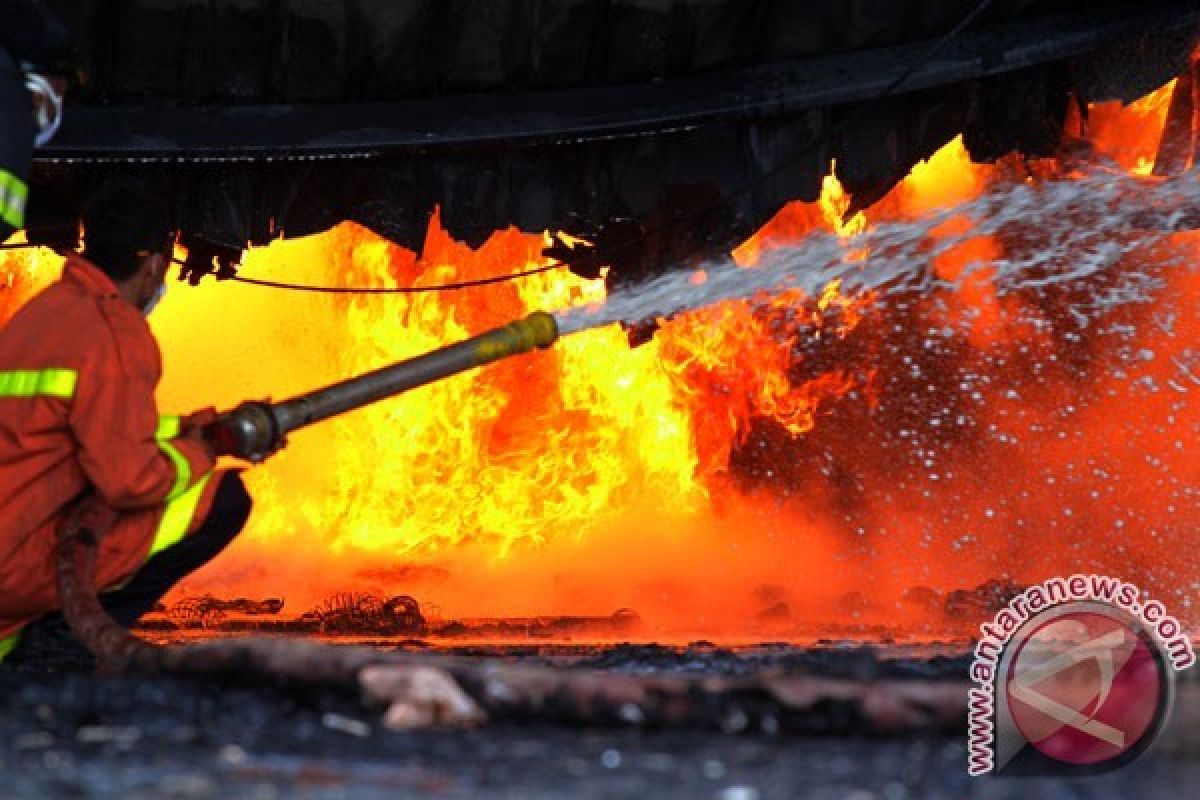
(967, 605)
(206, 611)
(341, 613)
(428, 689)
(983, 601)
(352, 612)
(359, 614)
(623, 622)
(418, 691)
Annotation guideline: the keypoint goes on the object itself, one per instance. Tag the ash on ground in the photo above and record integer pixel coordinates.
(73, 734)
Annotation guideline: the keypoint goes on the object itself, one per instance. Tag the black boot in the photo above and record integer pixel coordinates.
(48, 645)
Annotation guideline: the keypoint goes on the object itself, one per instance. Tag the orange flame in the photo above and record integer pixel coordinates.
(747, 469)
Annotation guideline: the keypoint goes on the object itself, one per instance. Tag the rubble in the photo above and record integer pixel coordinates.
(981, 602)
(418, 697)
(206, 611)
(355, 612)
(424, 689)
(256, 740)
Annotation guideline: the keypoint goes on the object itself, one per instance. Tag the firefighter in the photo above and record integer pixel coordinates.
(78, 370)
(34, 65)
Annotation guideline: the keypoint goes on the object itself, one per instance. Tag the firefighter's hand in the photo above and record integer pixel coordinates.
(198, 420)
(191, 427)
(194, 426)
(220, 439)
(247, 432)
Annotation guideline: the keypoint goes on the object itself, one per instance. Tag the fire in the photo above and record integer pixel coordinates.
(780, 467)
(1129, 135)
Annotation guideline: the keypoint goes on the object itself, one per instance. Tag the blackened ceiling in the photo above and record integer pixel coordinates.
(692, 119)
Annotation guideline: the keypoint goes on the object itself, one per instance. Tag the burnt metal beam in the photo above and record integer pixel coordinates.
(268, 132)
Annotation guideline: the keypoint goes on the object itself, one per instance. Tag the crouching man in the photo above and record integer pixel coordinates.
(78, 370)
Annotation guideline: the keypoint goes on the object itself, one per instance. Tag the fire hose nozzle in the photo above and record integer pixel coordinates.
(250, 431)
(536, 331)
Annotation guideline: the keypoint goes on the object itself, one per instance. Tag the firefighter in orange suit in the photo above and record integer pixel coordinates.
(78, 370)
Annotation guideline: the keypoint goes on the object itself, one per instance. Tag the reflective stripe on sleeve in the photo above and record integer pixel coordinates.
(13, 195)
(177, 516)
(38, 383)
(183, 470)
(169, 427)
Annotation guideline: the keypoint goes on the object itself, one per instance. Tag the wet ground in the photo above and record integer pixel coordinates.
(73, 735)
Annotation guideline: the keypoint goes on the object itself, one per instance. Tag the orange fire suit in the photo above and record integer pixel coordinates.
(78, 369)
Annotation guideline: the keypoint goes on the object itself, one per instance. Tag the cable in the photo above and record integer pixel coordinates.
(303, 287)
(443, 287)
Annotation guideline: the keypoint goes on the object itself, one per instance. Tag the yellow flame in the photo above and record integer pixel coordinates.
(531, 456)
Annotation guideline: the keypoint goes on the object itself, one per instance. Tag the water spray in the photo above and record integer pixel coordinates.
(1092, 222)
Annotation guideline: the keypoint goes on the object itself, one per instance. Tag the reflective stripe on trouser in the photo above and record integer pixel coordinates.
(38, 383)
(7, 645)
(177, 516)
(13, 195)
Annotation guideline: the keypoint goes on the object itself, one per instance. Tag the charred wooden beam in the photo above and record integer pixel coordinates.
(1177, 148)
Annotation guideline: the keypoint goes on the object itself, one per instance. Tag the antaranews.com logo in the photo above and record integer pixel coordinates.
(1074, 676)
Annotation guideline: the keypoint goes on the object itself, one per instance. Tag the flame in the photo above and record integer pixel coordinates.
(808, 460)
(1128, 135)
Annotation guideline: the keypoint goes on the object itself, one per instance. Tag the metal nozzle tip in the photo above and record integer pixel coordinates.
(543, 327)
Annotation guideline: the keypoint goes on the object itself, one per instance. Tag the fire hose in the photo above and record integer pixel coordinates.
(252, 431)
